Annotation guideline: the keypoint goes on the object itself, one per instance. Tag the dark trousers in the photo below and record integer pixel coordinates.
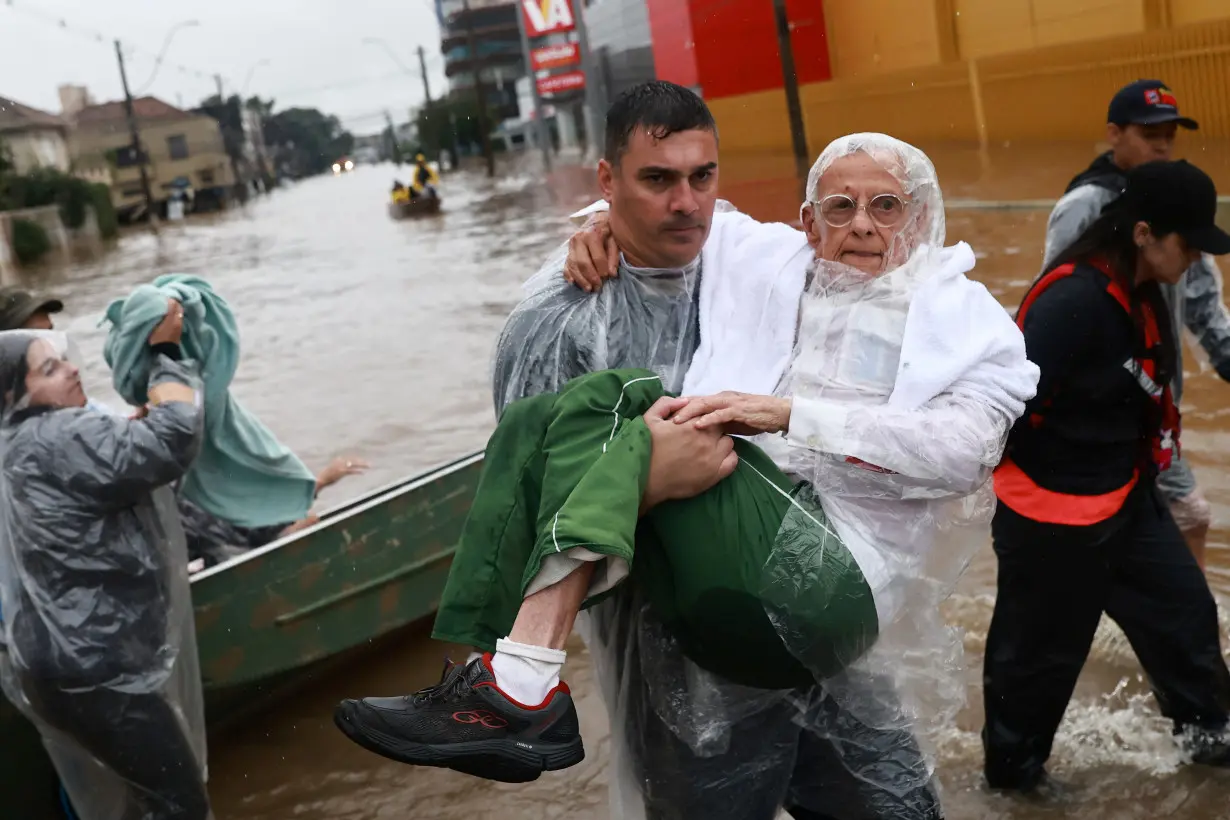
(139, 738)
(1054, 584)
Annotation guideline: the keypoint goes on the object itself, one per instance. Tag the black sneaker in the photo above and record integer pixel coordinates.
(466, 723)
(1207, 747)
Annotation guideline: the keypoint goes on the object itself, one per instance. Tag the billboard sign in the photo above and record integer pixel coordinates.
(543, 17)
(561, 83)
(557, 56)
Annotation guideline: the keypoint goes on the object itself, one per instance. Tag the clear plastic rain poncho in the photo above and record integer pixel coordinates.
(948, 384)
(644, 318)
(912, 378)
(100, 648)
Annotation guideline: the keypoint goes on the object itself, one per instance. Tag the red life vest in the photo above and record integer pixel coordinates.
(1019, 492)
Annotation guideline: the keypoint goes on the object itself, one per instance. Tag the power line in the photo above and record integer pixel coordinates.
(96, 36)
(354, 83)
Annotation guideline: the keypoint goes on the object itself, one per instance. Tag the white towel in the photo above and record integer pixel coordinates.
(751, 279)
(957, 332)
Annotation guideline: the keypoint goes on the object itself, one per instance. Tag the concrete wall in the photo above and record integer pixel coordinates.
(619, 36)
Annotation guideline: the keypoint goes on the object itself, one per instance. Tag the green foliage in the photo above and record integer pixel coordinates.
(437, 121)
(308, 141)
(47, 186)
(108, 221)
(30, 241)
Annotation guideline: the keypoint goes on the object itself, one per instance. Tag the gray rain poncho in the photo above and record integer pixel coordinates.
(100, 648)
(904, 386)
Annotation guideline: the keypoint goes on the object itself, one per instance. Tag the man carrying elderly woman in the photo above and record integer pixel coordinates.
(871, 385)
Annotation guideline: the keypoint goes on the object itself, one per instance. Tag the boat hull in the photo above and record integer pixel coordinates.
(422, 206)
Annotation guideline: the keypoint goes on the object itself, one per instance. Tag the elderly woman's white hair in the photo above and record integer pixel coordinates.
(911, 168)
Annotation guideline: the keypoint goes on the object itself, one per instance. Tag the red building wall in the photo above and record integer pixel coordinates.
(674, 57)
(729, 47)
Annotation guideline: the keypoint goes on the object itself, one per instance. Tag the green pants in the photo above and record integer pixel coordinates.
(748, 575)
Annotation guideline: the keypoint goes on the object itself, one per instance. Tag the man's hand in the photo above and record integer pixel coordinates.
(592, 254)
(686, 461)
(739, 414)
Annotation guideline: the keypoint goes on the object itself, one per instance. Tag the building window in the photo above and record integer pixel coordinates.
(178, 146)
(206, 177)
(125, 157)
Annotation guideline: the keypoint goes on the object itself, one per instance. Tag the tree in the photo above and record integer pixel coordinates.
(437, 120)
(6, 161)
(308, 141)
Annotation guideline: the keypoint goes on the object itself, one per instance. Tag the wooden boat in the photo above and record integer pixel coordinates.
(419, 206)
(269, 616)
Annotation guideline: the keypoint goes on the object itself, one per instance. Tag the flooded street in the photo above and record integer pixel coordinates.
(371, 337)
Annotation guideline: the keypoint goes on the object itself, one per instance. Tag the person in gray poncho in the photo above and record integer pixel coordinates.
(99, 648)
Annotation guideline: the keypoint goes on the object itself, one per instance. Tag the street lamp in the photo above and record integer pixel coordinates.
(244, 92)
(163, 52)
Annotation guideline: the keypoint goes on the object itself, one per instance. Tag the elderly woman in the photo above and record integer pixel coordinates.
(774, 578)
(99, 646)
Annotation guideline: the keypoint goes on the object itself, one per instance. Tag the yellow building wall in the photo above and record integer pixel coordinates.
(206, 153)
(1070, 21)
(992, 28)
(1002, 26)
(880, 36)
(1185, 12)
(1044, 93)
(753, 123)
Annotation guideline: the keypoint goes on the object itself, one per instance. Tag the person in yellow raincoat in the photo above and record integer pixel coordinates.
(425, 178)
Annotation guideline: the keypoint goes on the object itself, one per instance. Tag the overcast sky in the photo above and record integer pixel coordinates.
(315, 51)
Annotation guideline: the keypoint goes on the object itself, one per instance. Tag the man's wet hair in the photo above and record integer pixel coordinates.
(661, 108)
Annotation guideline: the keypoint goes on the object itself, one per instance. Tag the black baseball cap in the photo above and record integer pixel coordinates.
(1177, 197)
(1146, 102)
(17, 306)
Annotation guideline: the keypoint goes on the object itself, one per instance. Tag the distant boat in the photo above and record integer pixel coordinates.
(267, 617)
(419, 206)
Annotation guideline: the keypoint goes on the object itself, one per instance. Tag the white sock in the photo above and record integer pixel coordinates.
(526, 673)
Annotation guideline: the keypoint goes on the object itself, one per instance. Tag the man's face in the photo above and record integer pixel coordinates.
(1137, 144)
(39, 321)
(51, 380)
(870, 209)
(662, 194)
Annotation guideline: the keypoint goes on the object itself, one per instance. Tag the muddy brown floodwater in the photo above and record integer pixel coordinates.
(371, 337)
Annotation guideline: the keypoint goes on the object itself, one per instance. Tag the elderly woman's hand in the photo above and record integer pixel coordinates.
(592, 254)
(740, 414)
(171, 328)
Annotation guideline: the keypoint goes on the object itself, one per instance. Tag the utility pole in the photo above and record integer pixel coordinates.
(484, 127)
(790, 80)
(395, 148)
(540, 122)
(423, 71)
(218, 83)
(138, 153)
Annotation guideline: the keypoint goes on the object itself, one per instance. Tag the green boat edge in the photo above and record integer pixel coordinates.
(273, 615)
